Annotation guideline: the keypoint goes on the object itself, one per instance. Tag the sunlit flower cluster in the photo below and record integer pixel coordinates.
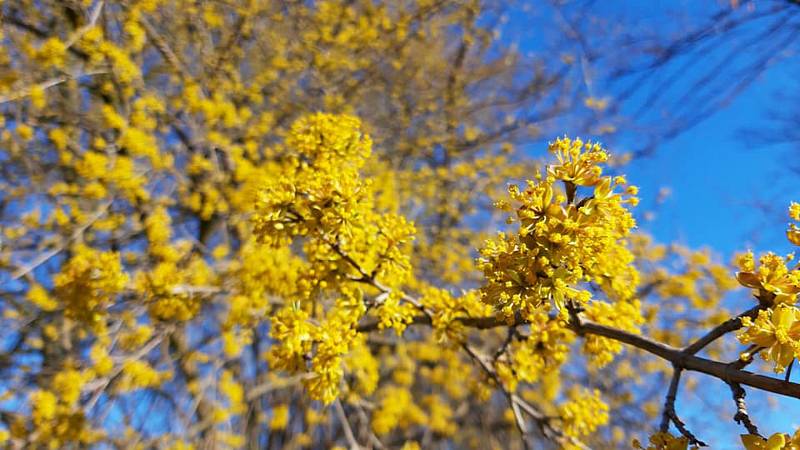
(563, 241)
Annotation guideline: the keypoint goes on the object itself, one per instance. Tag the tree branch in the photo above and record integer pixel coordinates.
(742, 417)
(728, 326)
(683, 359)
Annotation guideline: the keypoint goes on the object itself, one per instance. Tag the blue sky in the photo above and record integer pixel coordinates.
(728, 192)
(725, 193)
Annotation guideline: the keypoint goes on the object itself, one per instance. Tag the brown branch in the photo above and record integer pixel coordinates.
(521, 425)
(670, 415)
(40, 33)
(480, 323)
(165, 50)
(512, 399)
(544, 422)
(26, 91)
(683, 359)
(679, 358)
(669, 401)
(728, 326)
(742, 417)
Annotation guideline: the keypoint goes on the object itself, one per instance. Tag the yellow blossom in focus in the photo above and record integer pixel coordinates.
(778, 331)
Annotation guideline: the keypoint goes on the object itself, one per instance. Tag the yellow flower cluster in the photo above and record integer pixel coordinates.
(321, 196)
(583, 413)
(320, 190)
(393, 312)
(329, 340)
(793, 233)
(622, 315)
(260, 274)
(321, 200)
(88, 283)
(280, 417)
(446, 308)
(664, 441)
(563, 241)
(776, 329)
(164, 286)
(362, 366)
(233, 392)
(543, 352)
(56, 415)
(139, 375)
(396, 409)
(52, 53)
(772, 280)
(778, 441)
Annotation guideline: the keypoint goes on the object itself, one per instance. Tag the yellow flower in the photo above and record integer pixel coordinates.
(777, 441)
(52, 52)
(793, 233)
(772, 279)
(88, 283)
(778, 331)
(664, 441)
(280, 417)
(578, 162)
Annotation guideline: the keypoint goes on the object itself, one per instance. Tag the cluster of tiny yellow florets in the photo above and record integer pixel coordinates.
(543, 352)
(321, 196)
(447, 309)
(793, 233)
(348, 242)
(57, 421)
(563, 240)
(773, 281)
(776, 330)
(622, 315)
(88, 283)
(583, 413)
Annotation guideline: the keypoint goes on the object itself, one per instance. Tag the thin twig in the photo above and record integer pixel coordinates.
(728, 326)
(521, 425)
(742, 417)
(25, 92)
(670, 415)
(44, 257)
(274, 385)
(669, 400)
(789, 371)
(348, 432)
(93, 16)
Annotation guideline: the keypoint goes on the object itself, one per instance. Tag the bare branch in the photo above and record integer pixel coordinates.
(742, 417)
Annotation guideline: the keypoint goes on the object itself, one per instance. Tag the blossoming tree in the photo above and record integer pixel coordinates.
(194, 257)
